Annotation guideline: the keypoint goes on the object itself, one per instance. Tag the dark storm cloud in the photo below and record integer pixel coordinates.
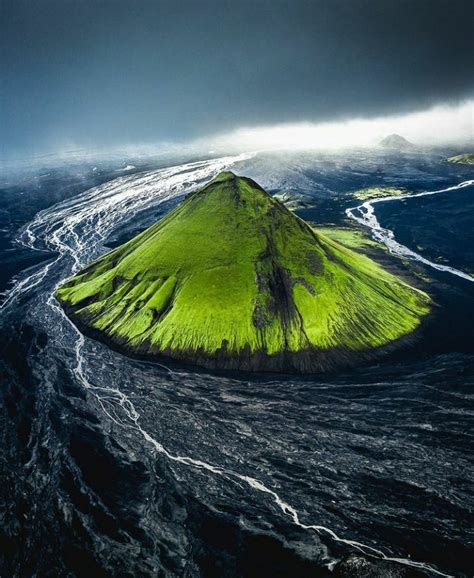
(111, 72)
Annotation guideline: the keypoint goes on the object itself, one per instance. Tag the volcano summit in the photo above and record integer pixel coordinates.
(231, 279)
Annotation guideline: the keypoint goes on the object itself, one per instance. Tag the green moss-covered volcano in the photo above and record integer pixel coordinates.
(233, 279)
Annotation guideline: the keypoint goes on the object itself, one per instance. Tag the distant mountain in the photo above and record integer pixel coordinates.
(232, 279)
(397, 142)
(465, 159)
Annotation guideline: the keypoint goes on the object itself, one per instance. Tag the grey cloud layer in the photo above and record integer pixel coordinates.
(124, 71)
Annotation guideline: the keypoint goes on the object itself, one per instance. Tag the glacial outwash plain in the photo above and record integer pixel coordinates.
(232, 279)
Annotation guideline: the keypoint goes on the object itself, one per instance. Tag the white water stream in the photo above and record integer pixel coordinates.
(365, 215)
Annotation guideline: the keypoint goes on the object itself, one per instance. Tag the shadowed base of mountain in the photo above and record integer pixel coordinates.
(305, 361)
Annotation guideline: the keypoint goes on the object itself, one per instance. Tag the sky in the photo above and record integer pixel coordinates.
(107, 73)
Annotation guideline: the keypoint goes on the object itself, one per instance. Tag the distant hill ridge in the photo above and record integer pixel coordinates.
(464, 159)
(397, 142)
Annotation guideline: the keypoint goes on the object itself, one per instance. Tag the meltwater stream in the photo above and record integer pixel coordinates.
(365, 215)
(75, 231)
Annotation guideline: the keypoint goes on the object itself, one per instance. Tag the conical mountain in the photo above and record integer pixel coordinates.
(233, 279)
(397, 142)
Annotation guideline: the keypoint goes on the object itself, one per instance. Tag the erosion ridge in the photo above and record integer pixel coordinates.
(231, 279)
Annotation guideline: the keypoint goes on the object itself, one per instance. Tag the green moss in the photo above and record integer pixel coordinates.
(378, 192)
(232, 269)
(465, 159)
(350, 237)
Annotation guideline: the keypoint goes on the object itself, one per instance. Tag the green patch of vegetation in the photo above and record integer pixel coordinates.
(232, 272)
(350, 237)
(465, 159)
(422, 276)
(378, 192)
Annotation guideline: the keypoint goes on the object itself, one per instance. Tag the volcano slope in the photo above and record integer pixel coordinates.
(231, 279)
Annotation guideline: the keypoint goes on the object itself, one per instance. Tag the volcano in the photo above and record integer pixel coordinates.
(397, 143)
(231, 279)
